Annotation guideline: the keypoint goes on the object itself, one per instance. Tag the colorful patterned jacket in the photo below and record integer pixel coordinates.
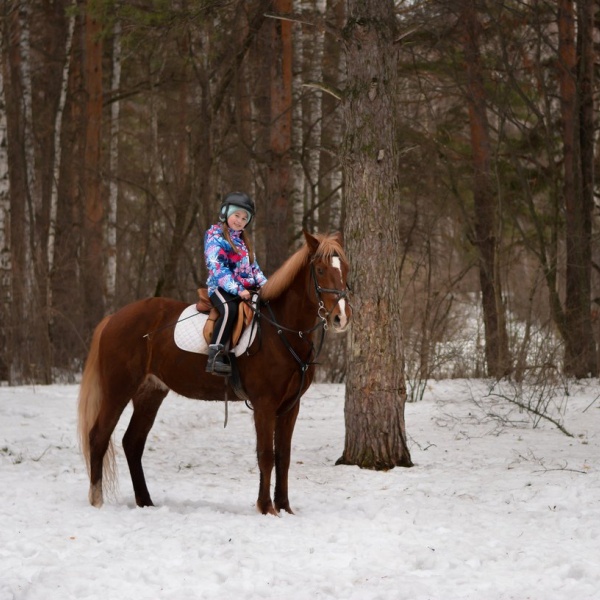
(228, 269)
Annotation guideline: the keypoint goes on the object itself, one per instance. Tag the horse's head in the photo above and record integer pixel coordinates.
(329, 273)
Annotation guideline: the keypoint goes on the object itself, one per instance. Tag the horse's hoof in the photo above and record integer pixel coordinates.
(284, 506)
(144, 503)
(95, 496)
(267, 509)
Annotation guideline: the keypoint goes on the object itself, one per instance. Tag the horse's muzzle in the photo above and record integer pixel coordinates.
(341, 316)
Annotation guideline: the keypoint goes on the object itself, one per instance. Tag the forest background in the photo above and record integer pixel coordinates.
(122, 124)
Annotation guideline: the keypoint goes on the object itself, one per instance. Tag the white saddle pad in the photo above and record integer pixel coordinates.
(189, 337)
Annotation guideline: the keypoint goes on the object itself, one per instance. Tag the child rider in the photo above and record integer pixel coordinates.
(232, 273)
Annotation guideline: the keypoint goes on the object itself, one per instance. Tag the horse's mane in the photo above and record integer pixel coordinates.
(280, 281)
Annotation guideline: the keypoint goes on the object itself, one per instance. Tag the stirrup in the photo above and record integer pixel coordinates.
(220, 366)
(214, 350)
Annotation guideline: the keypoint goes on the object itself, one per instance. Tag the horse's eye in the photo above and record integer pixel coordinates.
(320, 271)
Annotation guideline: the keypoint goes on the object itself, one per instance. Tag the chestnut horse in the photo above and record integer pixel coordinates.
(133, 357)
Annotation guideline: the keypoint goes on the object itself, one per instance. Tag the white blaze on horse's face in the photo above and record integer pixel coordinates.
(340, 322)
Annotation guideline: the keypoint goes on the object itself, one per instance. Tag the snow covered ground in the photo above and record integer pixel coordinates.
(490, 510)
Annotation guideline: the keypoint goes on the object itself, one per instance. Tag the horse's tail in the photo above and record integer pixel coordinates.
(90, 397)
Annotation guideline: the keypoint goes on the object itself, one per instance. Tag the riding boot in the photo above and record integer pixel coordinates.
(215, 363)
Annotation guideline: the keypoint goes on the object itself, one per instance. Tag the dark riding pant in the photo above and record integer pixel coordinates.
(227, 304)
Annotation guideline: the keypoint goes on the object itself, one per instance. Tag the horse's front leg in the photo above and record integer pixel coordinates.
(265, 429)
(284, 430)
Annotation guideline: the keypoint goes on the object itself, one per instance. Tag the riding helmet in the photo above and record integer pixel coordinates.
(240, 199)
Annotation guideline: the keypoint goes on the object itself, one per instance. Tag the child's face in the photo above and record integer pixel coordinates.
(238, 220)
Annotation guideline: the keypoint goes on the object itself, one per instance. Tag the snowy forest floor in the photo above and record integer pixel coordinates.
(494, 507)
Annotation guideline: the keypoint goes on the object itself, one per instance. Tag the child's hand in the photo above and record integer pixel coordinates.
(245, 295)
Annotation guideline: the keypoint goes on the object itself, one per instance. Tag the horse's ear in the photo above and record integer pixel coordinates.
(338, 236)
(311, 241)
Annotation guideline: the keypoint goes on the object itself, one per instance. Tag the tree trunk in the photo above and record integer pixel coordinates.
(113, 194)
(587, 131)
(67, 325)
(93, 239)
(15, 352)
(58, 123)
(33, 61)
(49, 39)
(330, 187)
(184, 207)
(298, 179)
(279, 167)
(5, 266)
(580, 349)
(496, 337)
(314, 117)
(375, 389)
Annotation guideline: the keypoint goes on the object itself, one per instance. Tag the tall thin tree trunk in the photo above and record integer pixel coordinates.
(330, 188)
(314, 115)
(586, 10)
(93, 263)
(17, 351)
(183, 206)
(298, 179)
(278, 186)
(580, 350)
(5, 253)
(67, 323)
(486, 241)
(49, 39)
(58, 121)
(113, 190)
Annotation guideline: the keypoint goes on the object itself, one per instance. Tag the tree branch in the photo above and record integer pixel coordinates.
(329, 89)
(314, 20)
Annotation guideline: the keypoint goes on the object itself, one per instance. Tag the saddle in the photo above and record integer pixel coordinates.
(204, 305)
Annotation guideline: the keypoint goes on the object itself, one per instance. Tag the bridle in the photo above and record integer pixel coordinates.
(322, 312)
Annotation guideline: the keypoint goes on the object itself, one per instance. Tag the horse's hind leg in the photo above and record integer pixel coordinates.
(284, 429)
(146, 402)
(101, 447)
